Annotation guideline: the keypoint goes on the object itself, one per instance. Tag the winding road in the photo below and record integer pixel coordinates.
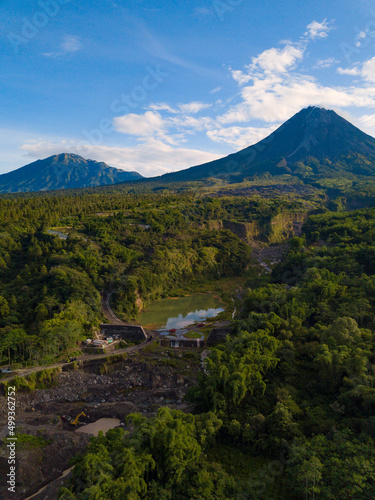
(112, 318)
(107, 310)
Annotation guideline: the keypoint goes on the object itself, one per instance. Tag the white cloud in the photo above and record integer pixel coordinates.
(367, 123)
(278, 98)
(171, 129)
(146, 125)
(272, 88)
(318, 30)
(191, 122)
(241, 77)
(162, 106)
(349, 71)
(188, 108)
(368, 70)
(69, 45)
(325, 63)
(277, 60)
(215, 90)
(149, 159)
(193, 107)
(240, 137)
(270, 62)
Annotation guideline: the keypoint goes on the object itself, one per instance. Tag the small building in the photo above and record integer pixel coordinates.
(133, 333)
(182, 343)
(217, 335)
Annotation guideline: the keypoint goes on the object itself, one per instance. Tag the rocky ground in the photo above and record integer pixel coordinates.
(142, 383)
(269, 256)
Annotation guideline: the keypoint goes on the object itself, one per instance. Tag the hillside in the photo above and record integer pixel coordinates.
(63, 171)
(315, 143)
(292, 385)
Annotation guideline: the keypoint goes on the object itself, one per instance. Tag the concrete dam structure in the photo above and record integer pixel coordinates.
(134, 333)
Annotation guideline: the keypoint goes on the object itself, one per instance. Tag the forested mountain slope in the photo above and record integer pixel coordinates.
(315, 143)
(63, 171)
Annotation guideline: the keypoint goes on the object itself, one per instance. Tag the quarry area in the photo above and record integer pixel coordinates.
(47, 420)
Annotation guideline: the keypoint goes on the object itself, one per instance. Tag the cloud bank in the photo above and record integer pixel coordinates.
(273, 86)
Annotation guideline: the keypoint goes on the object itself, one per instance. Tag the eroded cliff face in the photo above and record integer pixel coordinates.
(284, 226)
(277, 229)
(247, 231)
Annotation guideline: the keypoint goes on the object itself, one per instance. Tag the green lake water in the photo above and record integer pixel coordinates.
(181, 312)
(61, 235)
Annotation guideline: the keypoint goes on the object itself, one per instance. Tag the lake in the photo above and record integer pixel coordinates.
(103, 424)
(179, 313)
(61, 235)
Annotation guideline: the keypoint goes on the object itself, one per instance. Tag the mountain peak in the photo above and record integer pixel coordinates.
(63, 171)
(316, 113)
(66, 158)
(321, 133)
(313, 132)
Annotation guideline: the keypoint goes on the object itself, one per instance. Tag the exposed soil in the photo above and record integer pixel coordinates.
(142, 383)
(269, 256)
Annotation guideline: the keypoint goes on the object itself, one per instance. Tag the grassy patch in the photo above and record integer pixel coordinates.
(192, 335)
(43, 379)
(108, 363)
(29, 441)
(152, 347)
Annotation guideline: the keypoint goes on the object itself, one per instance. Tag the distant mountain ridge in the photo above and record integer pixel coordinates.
(315, 142)
(63, 171)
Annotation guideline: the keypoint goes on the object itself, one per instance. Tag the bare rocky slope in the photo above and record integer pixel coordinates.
(109, 388)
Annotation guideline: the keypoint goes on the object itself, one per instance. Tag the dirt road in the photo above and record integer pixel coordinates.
(85, 357)
(112, 318)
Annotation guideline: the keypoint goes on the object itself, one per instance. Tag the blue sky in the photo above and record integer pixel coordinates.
(157, 86)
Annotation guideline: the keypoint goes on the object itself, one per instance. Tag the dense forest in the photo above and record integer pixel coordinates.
(142, 245)
(284, 408)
